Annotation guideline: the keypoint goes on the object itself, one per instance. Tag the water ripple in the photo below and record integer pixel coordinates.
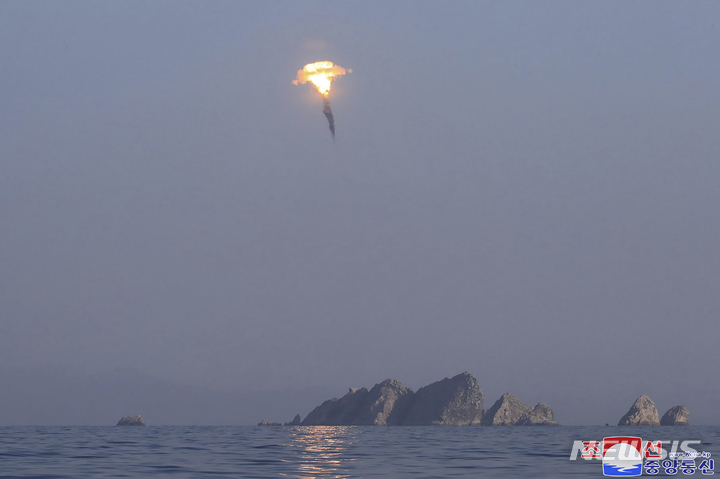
(304, 452)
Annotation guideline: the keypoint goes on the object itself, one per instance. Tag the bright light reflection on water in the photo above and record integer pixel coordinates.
(320, 450)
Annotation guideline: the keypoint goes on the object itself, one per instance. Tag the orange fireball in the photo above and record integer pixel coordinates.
(321, 75)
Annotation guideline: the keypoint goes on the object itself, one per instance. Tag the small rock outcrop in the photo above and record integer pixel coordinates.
(676, 416)
(541, 415)
(457, 401)
(642, 413)
(268, 423)
(506, 411)
(131, 421)
(297, 421)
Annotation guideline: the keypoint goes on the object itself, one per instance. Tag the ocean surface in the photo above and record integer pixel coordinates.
(308, 452)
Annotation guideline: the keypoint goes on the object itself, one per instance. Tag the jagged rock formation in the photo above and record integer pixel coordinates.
(388, 403)
(131, 421)
(268, 423)
(451, 402)
(541, 415)
(297, 421)
(338, 412)
(456, 401)
(642, 413)
(506, 411)
(676, 416)
(360, 407)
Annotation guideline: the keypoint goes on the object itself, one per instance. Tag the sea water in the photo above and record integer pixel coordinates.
(314, 452)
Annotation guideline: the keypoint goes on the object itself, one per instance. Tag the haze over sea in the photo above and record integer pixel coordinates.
(524, 190)
(308, 452)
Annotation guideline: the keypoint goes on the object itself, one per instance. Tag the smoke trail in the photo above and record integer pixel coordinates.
(329, 114)
(321, 75)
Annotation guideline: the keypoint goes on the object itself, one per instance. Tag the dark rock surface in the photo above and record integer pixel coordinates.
(506, 411)
(457, 401)
(641, 413)
(345, 411)
(676, 416)
(131, 421)
(541, 415)
(388, 402)
(297, 421)
(268, 423)
(381, 406)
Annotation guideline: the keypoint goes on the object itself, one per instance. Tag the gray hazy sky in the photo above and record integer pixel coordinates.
(529, 191)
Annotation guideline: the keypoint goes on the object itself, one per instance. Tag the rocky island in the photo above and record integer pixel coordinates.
(456, 401)
(509, 411)
(131, 421)
(644, 413)
(268, 423)
(676, 416)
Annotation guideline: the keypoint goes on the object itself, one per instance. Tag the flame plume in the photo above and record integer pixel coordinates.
(321, 75)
